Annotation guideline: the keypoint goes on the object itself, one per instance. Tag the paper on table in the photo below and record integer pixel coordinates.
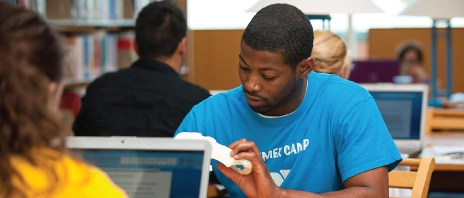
(443, 150)
(440, 154)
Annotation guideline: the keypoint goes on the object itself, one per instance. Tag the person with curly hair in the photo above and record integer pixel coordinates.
(33, 159)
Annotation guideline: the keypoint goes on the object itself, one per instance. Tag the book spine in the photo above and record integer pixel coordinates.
(82, 9)
(80, 58)
(75, 9)
(86, 52)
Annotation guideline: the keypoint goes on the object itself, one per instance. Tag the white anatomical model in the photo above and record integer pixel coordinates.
(219, 152)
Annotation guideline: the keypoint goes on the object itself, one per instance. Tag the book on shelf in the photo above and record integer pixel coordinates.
(36, 5)
(98, 10)
(94, 53)
(91, 55)
(88, 10)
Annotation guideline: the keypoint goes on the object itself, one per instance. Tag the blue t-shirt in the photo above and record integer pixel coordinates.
(336, 132)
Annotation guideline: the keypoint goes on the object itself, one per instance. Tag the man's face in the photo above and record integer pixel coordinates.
(267, 81)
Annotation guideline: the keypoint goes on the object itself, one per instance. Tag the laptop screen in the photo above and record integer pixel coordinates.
(401, 112)
(374, 71)
(149, 173)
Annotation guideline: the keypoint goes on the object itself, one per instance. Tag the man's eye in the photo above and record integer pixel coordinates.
(244, 68)
(269, 78)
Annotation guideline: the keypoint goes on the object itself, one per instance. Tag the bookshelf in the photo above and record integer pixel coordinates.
(93, 23)
(71, 84)
(98, 33)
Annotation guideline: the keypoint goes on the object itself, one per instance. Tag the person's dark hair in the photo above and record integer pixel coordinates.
(31, 58)
(410, 46)
(159, 28)
(281, 28)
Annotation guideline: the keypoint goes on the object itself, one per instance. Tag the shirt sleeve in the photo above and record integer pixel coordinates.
(363, 141)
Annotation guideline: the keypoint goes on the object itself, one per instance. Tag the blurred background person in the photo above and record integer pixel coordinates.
(411, 57)
(148, 99)
(33, 159)
(330, 54)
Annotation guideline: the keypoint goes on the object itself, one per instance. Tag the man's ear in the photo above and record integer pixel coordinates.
(182, 46)
(305, 67)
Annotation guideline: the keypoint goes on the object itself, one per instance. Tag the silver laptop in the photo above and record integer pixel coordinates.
(149, 167)
(403, 108)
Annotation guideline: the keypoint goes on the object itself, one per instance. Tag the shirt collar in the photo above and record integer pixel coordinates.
(154, 65)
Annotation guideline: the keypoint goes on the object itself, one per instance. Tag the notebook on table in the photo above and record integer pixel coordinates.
(403, 108)
(149, 167)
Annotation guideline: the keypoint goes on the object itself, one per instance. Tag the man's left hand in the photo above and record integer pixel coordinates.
(259, 182)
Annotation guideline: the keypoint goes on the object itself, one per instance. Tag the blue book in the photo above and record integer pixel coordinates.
(86, 58)
(112, 9)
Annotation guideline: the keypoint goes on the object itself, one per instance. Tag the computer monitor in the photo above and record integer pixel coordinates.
(403, 109)
(149, 167)
(375, 71)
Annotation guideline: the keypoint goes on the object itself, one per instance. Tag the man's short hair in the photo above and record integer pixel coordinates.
(159, 28)
(281, 28)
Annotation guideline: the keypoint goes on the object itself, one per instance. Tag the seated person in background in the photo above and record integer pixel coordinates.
(34, 161)
(305, 133)
(410, 55)
(330, 54)
(150, 98)
(455, 101)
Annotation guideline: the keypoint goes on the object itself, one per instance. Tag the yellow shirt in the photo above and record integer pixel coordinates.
(71, 178)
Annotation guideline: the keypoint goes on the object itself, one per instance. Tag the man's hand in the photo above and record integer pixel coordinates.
(259, 182)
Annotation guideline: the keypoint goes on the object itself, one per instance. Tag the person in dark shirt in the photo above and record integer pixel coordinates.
(148, 99)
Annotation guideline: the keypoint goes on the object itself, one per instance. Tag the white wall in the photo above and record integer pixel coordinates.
(232, 14)
(219, 14)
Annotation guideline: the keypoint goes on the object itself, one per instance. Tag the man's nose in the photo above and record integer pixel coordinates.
(252, 84)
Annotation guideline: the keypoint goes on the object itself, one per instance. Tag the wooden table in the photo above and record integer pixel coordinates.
(446, 177)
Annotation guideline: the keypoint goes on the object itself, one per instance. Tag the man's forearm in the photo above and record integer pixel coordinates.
(355, 192)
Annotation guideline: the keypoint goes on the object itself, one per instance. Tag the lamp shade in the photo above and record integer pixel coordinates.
(436, 9)
(324, 7)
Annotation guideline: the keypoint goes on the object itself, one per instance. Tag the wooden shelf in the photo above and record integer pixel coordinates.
(92, 23)
(81, 25)
(71, 84)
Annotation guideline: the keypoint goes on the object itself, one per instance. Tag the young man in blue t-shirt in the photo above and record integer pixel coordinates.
(306, 134)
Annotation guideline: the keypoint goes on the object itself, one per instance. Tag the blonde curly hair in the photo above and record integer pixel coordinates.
(329, 52)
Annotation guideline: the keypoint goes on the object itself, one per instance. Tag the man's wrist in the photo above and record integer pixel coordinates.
(281, 193)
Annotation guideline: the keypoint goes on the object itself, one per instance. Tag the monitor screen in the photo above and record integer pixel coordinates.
(149, 173)
(401, 112)
(374, 71)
